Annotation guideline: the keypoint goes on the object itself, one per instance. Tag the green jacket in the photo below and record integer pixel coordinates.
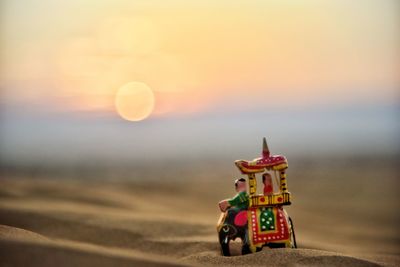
(241, 200)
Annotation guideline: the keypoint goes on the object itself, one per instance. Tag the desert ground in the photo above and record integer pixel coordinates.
(345, 214)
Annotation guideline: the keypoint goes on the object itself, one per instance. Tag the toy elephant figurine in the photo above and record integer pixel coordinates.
(257, 219)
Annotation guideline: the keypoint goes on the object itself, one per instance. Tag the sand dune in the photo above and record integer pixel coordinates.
(281, 257)
(72, 223)
(25, 248)
(19, 253)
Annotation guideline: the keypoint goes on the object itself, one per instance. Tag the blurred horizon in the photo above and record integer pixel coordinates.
(46, 142)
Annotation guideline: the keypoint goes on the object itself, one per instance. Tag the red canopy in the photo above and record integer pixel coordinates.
(267, 161)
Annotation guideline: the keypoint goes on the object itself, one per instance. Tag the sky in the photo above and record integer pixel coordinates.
(211, 66)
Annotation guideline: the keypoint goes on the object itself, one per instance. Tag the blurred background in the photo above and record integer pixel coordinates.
(175, 90)
(314, 78)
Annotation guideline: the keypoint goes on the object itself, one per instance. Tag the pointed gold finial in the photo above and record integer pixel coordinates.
(265, 152)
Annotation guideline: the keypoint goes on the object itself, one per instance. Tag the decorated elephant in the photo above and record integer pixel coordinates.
(259, 220)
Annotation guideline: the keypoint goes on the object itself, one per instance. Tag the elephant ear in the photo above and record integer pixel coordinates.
(241, 218)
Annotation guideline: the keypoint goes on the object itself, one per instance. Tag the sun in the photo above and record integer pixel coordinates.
(134, 101)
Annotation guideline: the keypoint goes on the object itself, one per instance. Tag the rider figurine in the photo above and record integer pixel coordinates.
(267, 181)
(236, 216)
(238, 202)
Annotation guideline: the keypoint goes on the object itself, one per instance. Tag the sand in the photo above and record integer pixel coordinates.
(66, 222)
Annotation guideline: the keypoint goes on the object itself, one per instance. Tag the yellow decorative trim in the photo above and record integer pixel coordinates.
(252, 184)
(270, 200)
(280, 167)
(221, 221)
(283, 182)
(245, 170)
(257, 169)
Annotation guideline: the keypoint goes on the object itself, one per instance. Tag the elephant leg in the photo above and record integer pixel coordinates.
(245, 241)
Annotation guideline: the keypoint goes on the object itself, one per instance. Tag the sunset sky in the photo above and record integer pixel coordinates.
(197, 57)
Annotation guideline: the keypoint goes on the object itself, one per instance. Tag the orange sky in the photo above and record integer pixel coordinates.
(195, 56)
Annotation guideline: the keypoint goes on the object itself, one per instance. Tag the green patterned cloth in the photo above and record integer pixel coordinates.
(240, 201)
(267, 219)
